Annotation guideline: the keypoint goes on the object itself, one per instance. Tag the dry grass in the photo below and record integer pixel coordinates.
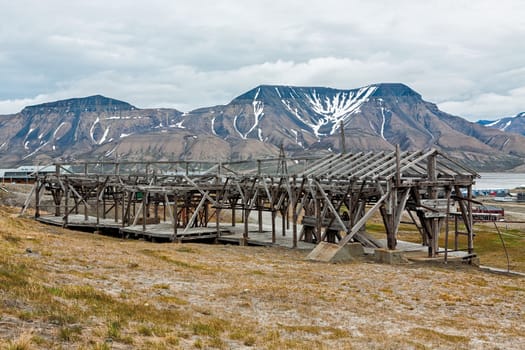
(64, 289)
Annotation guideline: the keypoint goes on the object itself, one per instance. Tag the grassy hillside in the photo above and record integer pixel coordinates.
(73, 290)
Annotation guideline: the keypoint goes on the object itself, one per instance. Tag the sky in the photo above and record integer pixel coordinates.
(466, 56)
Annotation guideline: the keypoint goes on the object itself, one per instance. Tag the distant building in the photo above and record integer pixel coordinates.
(25, 173)
(487, 213)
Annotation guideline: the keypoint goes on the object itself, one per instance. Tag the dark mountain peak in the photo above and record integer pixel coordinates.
(268, 92)
(394, 90)
(259, 92)
(95, 103)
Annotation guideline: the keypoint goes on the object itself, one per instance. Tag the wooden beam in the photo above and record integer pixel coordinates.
(363, 220)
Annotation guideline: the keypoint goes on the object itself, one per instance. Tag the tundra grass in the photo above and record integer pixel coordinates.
(61, 289)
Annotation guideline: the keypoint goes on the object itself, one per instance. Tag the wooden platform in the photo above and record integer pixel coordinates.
(235, 235)
(79, 221)
(164, 231)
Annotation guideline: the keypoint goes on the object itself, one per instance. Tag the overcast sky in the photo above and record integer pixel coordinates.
(466, 56)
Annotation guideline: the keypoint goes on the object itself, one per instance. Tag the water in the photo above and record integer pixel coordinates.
(499, 181)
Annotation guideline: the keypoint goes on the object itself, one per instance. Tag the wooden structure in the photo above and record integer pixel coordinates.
(328, 199)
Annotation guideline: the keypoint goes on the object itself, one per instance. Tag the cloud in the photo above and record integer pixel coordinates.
(492, 104)
(186, 55)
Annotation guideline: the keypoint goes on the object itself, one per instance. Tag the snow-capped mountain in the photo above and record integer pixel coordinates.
(70, 127)
(514, 124)
(304, 120)
(375, 117)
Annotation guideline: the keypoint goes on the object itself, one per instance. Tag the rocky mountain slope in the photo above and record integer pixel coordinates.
(304, 120)
(514, 124)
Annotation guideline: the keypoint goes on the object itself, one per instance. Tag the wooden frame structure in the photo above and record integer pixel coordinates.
(330, 198)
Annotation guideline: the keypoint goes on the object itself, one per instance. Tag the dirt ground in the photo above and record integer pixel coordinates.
(71, 290)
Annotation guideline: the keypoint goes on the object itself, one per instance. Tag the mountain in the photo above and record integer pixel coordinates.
(72, 128)
(514, 124)
(304, 120)
(375, 117)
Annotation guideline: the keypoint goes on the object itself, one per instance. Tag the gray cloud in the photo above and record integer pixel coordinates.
(465, 56)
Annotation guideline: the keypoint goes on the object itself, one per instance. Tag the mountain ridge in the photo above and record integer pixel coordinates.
(303, 120)
(514, 124)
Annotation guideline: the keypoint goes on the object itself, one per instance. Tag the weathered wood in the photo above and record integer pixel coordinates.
(395, 181)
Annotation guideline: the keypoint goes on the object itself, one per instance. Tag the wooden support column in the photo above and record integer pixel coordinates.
(144, 205)
(85, 197)
(66, 204)
(318, 218)
(274, 213)
(456, 233)
(245, 237)
(175, 215)
(432, 194)
(38, 185)
(283, 221)
(123, 207)
(295, 196)
(115, 203)
(233, 213)
(103, 202)
(448, 191)
(260, 205)
(470, 225)
(97, 203)
(217, 220)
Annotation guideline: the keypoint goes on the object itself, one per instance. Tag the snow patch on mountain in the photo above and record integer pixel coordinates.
(213, 126)
(258, 113)
(57, 129)
(493, 123)
(236, 128)
(336, 109)
(104, 136)
(92, 130)
(383, 123)
(36, 150)
(296, 134)
(278, 92)
(506, 125)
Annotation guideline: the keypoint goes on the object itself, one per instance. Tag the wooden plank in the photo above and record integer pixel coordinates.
(363, 220)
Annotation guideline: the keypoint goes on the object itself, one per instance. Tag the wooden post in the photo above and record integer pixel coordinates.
(175, 215)
(37, 197)
(144, 203)
(260, 214)
(245, 237)
(432, 193)
(57, 200)
(233, 205)
(294, 209)
(66, 204)
(97, 203)
(470, 220)
(103, 204)
(283, 221)
(274, 213)
(446, 224)
(456, 232)
(217, 220)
